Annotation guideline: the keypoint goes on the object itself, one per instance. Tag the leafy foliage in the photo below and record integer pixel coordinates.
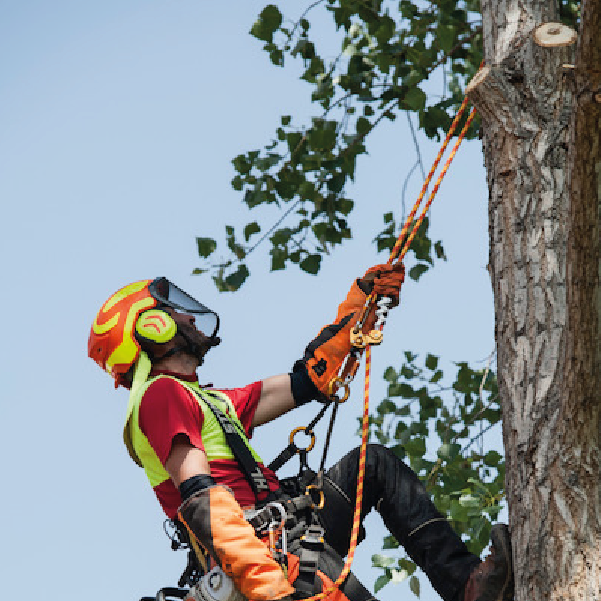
(465, 480)
(387, 51)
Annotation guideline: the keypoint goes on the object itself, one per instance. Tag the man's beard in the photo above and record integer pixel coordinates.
(197, 344)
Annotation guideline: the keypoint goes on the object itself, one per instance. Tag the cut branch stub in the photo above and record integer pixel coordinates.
(496, 99)
(552, 35)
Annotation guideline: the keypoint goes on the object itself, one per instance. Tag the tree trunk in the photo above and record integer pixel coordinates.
(541, 124)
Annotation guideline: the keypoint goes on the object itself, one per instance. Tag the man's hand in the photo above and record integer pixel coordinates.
(327, 352)
(384, 280)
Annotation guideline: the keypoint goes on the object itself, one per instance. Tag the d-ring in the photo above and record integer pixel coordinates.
(311, 434)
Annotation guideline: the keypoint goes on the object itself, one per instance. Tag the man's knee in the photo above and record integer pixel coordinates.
(386, 459)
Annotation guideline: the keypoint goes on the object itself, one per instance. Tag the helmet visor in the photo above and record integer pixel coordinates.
(169, 294)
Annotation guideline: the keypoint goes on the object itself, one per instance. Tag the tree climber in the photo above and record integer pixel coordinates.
(193, 444)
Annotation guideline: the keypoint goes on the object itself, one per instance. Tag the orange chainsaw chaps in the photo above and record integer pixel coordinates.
(329, 350)
(215, 519)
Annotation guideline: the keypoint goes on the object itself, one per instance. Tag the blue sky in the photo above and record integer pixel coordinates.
(118, 123)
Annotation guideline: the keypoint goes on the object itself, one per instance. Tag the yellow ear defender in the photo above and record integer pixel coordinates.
(156, 325)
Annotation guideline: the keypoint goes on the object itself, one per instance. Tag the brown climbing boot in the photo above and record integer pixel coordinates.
(492, 580)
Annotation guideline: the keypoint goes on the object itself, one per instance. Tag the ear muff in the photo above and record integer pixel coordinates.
(156, 325)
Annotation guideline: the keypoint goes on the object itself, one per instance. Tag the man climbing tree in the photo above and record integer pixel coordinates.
(539, 101)
(193, 445)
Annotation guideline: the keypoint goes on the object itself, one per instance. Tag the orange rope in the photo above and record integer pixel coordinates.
(428, 179)
(359, 496)
(418, 223)
(405, 244)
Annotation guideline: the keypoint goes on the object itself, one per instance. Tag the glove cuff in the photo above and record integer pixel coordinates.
(303, 388)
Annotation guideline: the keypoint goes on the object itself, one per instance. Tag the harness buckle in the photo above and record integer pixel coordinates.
(321, 498)
(313, 538)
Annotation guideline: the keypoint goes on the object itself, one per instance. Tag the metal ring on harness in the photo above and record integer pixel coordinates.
(339, 384)
(322, 498)
(308, 433)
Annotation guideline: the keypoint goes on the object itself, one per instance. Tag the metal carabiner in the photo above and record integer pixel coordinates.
(278, 527)
(281, 510)
(336, 384)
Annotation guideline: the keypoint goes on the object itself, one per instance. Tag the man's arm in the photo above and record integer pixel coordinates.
(185, 460)
(213, 517)
(275, 400)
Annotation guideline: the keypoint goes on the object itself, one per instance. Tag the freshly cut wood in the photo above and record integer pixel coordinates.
(550, 35)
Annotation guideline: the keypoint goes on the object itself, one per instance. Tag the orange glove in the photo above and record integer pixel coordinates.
(384, 280)
(325, 354)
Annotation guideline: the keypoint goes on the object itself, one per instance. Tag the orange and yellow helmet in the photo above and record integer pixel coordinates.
(113, 341)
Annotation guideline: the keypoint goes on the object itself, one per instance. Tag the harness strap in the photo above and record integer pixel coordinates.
(312, 544)
(249, 466)
(286, 455)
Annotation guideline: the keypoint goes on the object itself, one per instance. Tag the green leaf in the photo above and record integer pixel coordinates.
(448, 451)
(436, 377)
(446, 36)
(415, 99)
(345, 205)
(293, 140)
(205, 246)
(311, 264)
(386, 406)
(416, 447)
(382, 561)
(390, 374)
(236, 279)
(439, 251)
(431, 362)
(417, 271)
(250, 229)
(469, 500)
(241, 164)
(381, 582)
(492, 458)
(269, 20)
(407, 564)
(363, 126)
(390, 543)
(414, 585)
(278, 258)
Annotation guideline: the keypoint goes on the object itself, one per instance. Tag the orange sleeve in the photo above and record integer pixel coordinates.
(215, 519)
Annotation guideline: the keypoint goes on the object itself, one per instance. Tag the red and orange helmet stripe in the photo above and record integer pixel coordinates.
(112, 342)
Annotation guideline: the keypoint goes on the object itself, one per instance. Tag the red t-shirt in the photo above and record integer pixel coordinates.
(168, 409)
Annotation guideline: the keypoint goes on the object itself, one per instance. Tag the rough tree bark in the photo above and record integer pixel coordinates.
(541, 124)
